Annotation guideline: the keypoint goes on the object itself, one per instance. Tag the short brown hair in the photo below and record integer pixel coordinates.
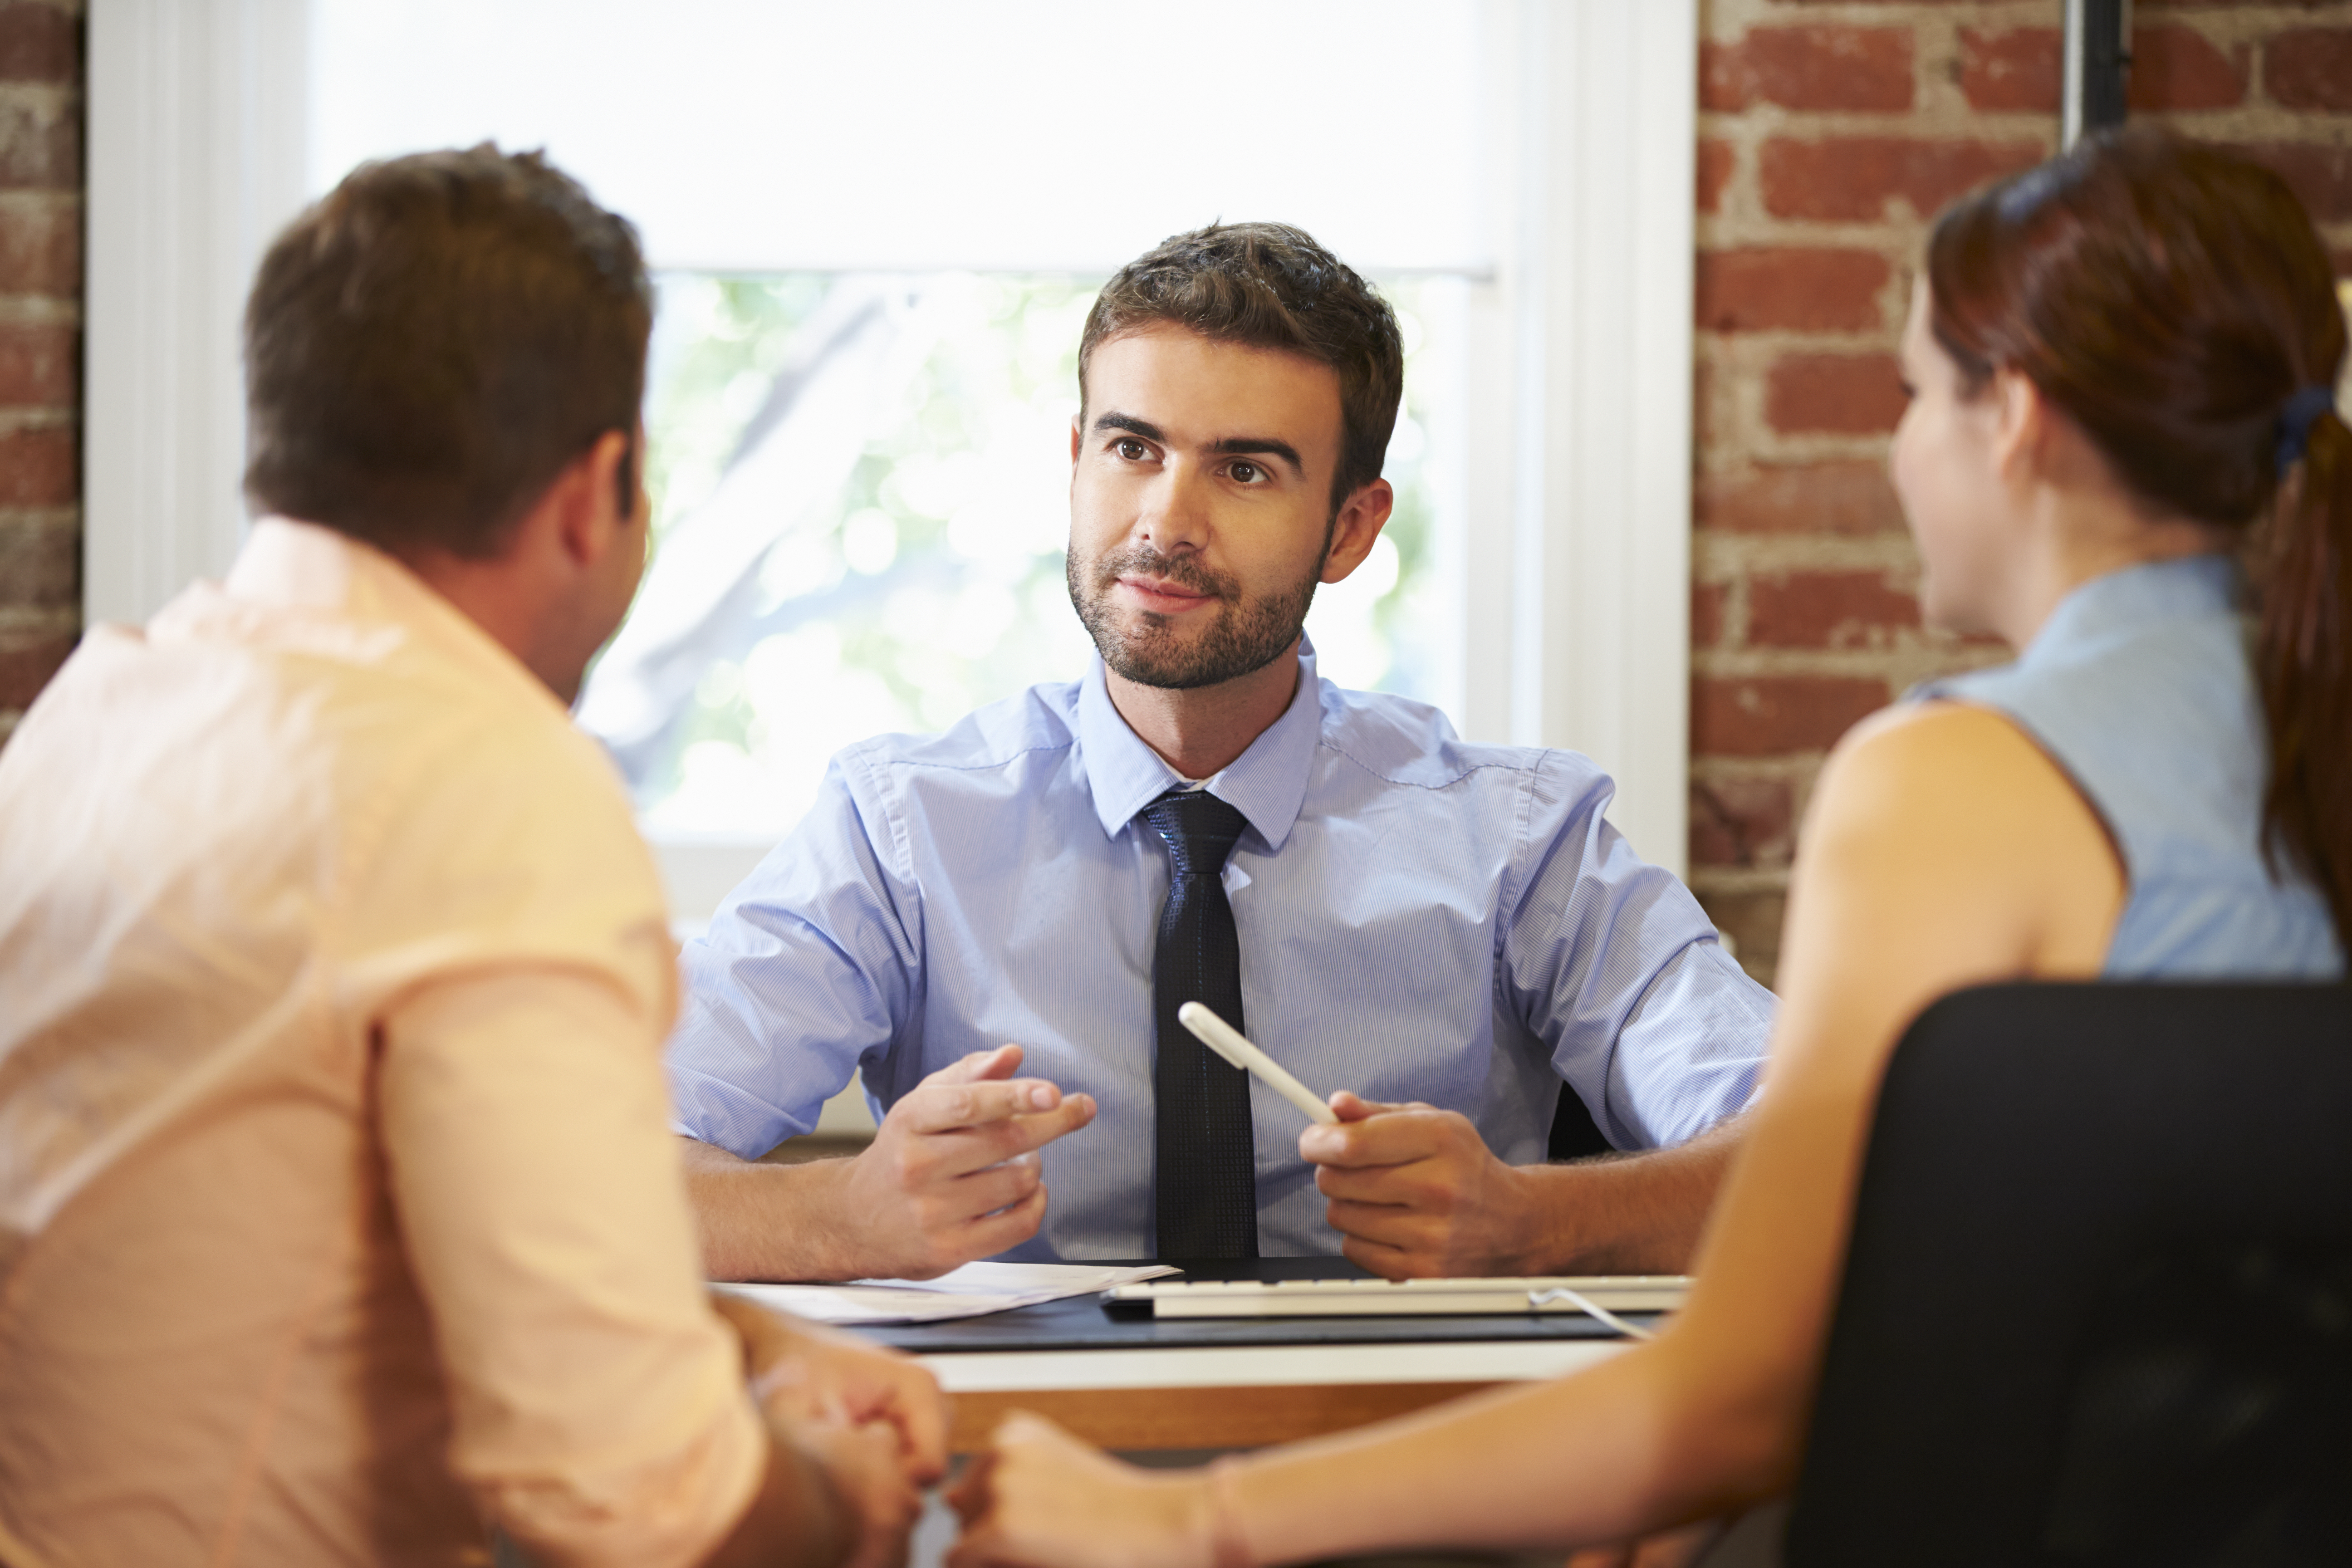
(430, 344)
(1270, 286)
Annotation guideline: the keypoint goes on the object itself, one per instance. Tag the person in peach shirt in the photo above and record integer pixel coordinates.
(339, 1212)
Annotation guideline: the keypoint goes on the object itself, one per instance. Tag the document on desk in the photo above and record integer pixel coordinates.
(971, 1291)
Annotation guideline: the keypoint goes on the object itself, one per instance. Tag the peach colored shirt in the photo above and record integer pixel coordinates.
(339, 1210)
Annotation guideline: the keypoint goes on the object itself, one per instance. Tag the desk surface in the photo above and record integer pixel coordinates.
(1137, 1384)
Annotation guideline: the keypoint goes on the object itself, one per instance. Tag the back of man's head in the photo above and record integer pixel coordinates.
(1268, 284)
(429, 345)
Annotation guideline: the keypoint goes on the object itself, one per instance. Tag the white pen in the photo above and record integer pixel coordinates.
(1227, 1042)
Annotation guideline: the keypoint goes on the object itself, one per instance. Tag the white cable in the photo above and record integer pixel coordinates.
(1590, 1307)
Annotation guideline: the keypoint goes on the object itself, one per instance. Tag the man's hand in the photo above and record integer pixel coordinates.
(1415, 1193)
(805, 1373)
(870, 1483)
(953, 1175)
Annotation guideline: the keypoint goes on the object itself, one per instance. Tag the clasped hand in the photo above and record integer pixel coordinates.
(1415, 1193)
(873, 1421)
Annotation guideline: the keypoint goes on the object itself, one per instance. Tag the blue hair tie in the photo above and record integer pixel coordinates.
(2296, 420)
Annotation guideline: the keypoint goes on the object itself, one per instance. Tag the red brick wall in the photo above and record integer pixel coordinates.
(1830, 132)
(40, 344)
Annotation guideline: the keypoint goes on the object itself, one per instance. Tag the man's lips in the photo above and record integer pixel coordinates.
(1161, 595)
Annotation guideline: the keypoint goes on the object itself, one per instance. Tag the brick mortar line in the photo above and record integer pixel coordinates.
(1901, 655)
(2230, 24)
(1901, 662)
(1899, 659)
(1763, 121)
(1737, 879)
(55, 97)
(1792, 450)
(1783, 769)
(1724, 555)
(29, 518)
(39, 417)
(25, 626)
(41, 310)
(1725, 20)
(1773, 342)
(2257, 121)
(1887, 239)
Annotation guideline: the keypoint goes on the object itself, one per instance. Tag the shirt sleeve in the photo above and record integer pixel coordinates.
(598, 1408)
(808, 971)
(1610, 963)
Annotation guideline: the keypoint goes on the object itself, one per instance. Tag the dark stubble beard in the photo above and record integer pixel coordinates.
(1248, 635)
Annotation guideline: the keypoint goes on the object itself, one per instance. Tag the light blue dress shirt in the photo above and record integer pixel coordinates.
(1419, 919)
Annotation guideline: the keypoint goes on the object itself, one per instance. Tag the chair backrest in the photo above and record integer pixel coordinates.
(1574, 1134)
(2097, 1307)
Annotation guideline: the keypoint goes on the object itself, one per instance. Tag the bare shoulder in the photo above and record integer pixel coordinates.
(1909, 758)
(1960, 803)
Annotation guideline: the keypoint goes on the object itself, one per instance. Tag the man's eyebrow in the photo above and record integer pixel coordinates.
(1261, 446)
(1112, 420)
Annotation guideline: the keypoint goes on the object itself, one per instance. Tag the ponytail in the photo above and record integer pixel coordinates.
(2303, 657)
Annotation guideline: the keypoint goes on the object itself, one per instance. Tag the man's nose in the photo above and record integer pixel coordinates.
(1176, 510)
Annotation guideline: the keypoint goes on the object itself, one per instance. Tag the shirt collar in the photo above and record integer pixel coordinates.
(2152, 591)
(305, 566)
(1266, 784)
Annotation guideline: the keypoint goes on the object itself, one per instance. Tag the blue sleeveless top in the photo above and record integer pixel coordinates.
(2141, 687)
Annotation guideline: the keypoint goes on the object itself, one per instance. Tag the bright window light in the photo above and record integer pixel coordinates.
(878, 229)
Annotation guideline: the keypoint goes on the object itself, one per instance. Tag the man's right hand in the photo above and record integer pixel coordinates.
(952, 1175)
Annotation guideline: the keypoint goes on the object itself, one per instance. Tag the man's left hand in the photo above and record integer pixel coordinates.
(1415, 1193)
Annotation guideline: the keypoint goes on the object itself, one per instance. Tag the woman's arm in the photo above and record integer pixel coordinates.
(1942, 850)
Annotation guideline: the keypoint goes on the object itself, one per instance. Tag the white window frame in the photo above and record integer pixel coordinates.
(1572, 627)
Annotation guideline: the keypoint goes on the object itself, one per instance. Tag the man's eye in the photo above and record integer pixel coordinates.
(1130, 449)
(1247, 472)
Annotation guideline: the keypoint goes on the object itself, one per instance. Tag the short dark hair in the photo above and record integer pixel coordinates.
(431, 342)
(1270, 286)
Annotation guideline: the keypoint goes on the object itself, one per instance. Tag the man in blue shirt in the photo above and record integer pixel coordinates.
(1445, 931)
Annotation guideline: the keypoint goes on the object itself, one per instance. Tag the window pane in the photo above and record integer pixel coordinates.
(915, 135)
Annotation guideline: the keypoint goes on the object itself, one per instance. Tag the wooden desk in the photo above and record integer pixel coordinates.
(1203, 1397)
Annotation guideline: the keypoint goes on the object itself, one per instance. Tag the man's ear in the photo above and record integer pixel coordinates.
(590, 518)
(1353, 532)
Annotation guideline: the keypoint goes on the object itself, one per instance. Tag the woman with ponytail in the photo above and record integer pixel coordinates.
(2124, 457)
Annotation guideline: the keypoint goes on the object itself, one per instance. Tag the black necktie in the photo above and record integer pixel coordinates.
(1207, 1171)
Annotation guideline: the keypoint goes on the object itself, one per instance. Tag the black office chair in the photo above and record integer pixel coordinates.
(1574, 1134)
(2098, 1305)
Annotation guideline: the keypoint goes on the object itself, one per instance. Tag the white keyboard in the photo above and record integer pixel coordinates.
(1405, 1298)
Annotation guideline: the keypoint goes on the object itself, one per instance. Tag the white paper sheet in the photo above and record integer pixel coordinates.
(971, 1291)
